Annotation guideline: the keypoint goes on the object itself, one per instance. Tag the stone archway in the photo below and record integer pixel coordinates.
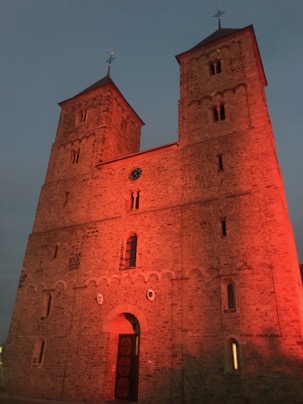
(124, 323)
(123, 356)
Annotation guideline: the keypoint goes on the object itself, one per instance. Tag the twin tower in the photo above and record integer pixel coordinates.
(168, 275)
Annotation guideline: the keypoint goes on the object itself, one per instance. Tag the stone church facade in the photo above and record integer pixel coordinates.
(168, 275)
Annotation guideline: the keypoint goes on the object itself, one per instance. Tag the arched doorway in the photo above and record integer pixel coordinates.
(127, 329)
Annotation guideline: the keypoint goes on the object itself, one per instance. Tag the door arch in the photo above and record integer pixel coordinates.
(125, 332)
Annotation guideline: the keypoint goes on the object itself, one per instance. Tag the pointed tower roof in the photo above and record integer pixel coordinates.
(220, 33)
(100, 83)
(105, 81)
(225, 33)
(215, 36)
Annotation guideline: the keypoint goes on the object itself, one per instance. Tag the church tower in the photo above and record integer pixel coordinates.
(239, 233)
(168, 275)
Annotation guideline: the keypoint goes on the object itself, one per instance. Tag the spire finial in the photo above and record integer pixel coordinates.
(109, 61)
(218, 15)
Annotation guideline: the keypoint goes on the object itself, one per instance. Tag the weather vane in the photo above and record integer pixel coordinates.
(109, 61)
(218, 15)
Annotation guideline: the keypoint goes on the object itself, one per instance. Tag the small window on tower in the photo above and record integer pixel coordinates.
(215, 114)
(38, 352)
(82, 116)
(46, 306)
(218, 67)
(219, 113)
(56, 251)
(131, 252)
(220, 162)
(231, 298)
(66, 199)
(137, 200)
(233, 355)
(223, 226)
(222, 112)
(212, 69)
(134, 200)
(215, 67)
(75, 155)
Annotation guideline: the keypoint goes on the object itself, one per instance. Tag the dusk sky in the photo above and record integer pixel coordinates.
(51, 50)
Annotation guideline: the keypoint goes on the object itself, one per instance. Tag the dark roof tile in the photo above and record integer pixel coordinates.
(98, 84)
(220, 33)
(215, 36)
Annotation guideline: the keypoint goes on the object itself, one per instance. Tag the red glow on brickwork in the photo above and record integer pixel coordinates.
(168, 275)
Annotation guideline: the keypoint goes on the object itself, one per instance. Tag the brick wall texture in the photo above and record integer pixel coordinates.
(215, 248)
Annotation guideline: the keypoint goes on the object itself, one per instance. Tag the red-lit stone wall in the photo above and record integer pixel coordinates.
(111, 130)
(223, 171)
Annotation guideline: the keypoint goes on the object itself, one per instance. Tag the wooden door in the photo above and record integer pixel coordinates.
(127, 367)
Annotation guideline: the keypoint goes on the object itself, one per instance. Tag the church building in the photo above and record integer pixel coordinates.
(168, 275)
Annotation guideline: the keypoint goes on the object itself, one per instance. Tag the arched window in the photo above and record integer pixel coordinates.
(131, 252)
(229, 295)
(38, 352)
(47, 301)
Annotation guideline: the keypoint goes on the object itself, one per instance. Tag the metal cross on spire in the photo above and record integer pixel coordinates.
(218, 15)
(109, 61)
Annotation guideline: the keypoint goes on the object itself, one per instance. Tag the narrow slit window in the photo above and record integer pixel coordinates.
(38, 352)
(218, 67)
(56, 251)
(235, 355)
(132, 201)
(131, 252)
(46, 306)
(66, 199)
(220, 162)
(75, 156)
(215, 114)
(212, 69)
(222, 112)
(223, 227)
(137, 200)
(83, 115)
(231, 300)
